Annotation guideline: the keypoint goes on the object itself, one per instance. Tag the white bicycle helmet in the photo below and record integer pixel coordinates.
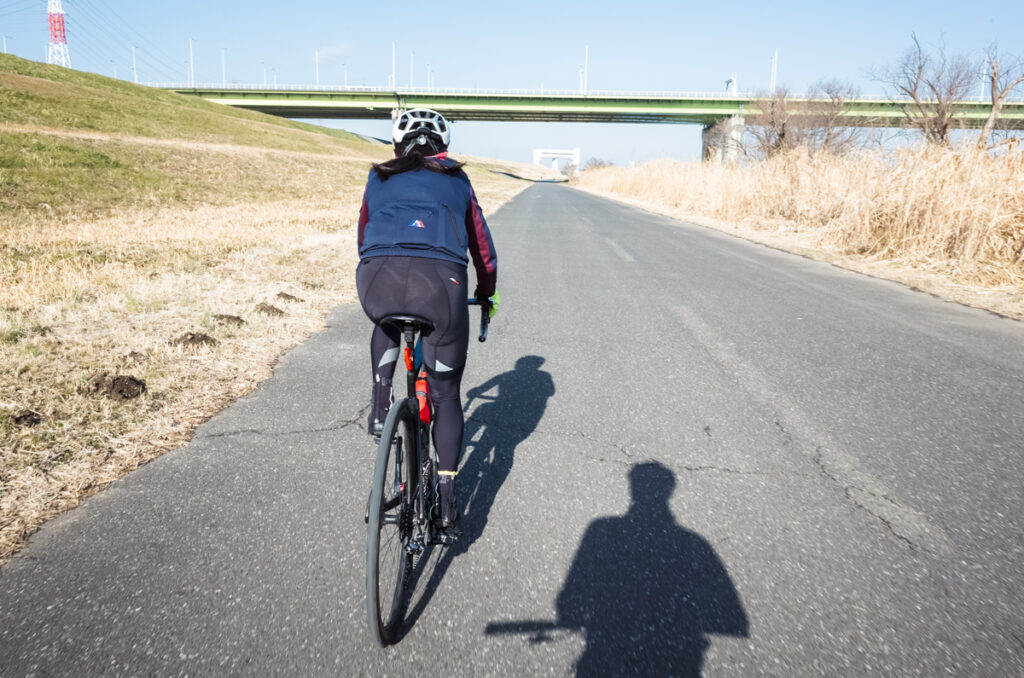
(417, 118)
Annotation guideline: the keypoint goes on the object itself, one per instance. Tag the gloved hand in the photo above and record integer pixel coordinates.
(492, 309)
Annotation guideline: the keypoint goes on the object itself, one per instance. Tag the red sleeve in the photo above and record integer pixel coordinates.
(481, 248)
(364, 216)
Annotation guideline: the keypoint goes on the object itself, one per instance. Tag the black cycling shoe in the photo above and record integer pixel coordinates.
(449, 535)
(448, 522)
(380, 403)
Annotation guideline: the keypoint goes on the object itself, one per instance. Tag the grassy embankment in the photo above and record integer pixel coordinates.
(139, 232)
(948, 221)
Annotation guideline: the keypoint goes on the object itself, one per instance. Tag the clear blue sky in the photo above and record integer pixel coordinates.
(637, 45)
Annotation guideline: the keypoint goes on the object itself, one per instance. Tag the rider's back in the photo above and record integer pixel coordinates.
(417, 213)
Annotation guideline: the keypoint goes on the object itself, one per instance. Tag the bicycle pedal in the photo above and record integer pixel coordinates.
(415, 547)
(447, 537)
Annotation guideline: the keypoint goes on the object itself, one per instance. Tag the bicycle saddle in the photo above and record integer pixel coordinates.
(417, 321)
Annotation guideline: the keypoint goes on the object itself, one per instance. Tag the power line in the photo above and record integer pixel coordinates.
(96, 30)
(24, 9)
(110, 17)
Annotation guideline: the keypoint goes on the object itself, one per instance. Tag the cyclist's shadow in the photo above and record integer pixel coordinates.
(645, 591)
(494, 429)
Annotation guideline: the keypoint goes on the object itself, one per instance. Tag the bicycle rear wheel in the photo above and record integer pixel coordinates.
(388, 560)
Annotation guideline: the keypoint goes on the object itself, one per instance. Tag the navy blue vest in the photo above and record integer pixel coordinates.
(418, 213)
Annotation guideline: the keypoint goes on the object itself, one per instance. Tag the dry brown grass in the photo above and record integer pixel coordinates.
(86, 292)
(947, 220)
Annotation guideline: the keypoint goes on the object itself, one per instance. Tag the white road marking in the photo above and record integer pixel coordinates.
(623, 254)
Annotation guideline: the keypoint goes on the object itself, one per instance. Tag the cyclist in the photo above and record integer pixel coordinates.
(418, 219)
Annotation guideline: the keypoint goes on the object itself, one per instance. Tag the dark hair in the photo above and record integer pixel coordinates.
(411, 156)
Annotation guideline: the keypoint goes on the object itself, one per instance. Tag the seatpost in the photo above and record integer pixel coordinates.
(409, 331)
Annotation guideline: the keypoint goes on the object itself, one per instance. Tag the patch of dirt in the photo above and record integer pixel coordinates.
(287, 297)
(118, 387)
(228, 319)
(267, 309)
(27, 418)
(126, 387)
(194, 339)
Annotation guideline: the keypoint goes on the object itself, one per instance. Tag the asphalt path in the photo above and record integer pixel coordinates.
(686, 454)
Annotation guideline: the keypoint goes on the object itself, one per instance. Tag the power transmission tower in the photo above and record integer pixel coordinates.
(57, 53)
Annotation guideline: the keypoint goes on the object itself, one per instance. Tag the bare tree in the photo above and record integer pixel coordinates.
(934, 84)
(826, 118)
(1001, 85)
(815, 122)
(779, 124)
(596, 163)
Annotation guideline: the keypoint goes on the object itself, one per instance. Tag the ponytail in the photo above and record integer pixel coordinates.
(416, 153)
(415, 161)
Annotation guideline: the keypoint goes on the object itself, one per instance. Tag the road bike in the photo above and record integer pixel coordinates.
(404, 504)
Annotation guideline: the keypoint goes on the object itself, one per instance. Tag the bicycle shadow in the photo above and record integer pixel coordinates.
(499, 424)
(644, 591)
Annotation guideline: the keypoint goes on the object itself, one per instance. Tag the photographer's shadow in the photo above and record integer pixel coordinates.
(511, 406)
(645, 591)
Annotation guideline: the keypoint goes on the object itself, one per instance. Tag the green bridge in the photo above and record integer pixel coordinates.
(540, 106)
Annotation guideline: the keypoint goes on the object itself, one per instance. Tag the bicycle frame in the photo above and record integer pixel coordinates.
(413, 363)
(425, 467)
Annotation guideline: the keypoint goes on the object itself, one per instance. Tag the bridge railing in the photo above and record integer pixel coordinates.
(675, 94)
(419, 91)
(444, 90)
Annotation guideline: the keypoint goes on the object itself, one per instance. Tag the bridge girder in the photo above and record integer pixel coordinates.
(537, 107)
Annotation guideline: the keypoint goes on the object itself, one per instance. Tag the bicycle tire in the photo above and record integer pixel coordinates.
(389, 527)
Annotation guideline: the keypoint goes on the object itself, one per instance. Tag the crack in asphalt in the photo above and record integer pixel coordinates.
(280, 434)
(901, 521)
(801, 432)
(634, 458)
(631, 458)
(787, 437)
(819, 461)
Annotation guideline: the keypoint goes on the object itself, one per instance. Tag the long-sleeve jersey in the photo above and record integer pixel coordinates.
(422, 213)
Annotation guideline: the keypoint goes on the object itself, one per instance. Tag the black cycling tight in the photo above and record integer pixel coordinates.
(436, 290)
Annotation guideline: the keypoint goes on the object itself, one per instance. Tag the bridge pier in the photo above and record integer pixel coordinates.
(721, 141)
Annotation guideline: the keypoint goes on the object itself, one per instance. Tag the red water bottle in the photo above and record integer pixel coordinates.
(423, 396)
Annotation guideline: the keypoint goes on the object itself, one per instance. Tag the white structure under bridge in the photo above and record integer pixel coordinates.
(570, 154)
